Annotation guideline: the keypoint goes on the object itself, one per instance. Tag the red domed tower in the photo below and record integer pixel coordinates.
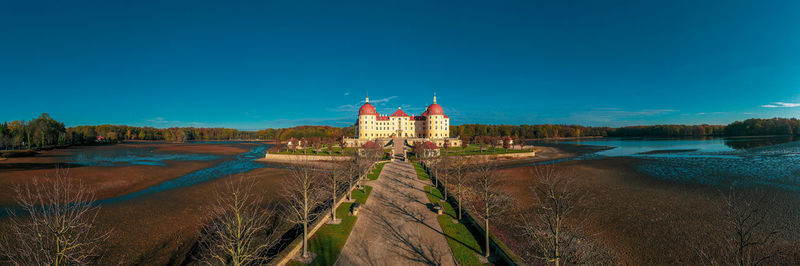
(366, 119)
(437, 123)
(367, 109)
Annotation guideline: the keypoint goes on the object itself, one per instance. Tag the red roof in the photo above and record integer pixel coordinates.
(400, 113)
(429, 145)
(434, 109)
(367, 109)
(383, 118)
(370, 145)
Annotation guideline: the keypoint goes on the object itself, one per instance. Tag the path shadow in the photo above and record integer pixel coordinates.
(409, 244)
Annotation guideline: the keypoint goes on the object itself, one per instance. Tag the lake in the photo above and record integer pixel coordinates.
(773, 161)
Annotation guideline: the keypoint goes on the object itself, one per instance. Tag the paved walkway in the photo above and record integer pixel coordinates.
(399, 147)
(396, 226)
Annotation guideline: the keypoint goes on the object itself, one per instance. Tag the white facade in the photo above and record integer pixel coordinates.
(432, 124)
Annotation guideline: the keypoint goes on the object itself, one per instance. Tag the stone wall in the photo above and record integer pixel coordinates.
(501, 156)
(294, 158)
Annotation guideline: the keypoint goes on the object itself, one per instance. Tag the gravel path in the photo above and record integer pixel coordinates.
(396, 226)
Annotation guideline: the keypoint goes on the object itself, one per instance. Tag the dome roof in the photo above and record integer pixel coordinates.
(434, 109)
(367, 109)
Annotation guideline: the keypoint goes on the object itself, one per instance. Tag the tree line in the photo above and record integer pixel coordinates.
(749, 127)
(44, 132)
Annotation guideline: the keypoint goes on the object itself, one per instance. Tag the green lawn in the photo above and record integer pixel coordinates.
(421, 174)
(329, 240)
(476, 150)
(310, 151)
(462, 241)
(376, 171)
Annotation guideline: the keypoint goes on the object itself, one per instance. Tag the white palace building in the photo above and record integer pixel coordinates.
(432, 125)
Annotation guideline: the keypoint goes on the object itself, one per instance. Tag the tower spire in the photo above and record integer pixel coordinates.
(434, 97)
(367, 96)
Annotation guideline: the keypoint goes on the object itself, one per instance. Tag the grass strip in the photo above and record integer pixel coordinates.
(462, 241)
(376, 171)
(329, 240)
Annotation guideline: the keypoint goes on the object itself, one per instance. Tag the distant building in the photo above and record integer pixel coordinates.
(294, 141)
(432, 125)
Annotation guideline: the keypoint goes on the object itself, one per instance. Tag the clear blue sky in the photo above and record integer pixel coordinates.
(259, 64)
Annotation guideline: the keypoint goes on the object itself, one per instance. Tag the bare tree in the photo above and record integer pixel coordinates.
(446, 145)
(294, 145)
(352, 174)
(457, 169)
(316, 143)
(342, 143)
(436, 167)
(748, 235)
(302, 197)
(330, 143)
(553, 235)
(56, 224)
(364, 165)
(487, 201)
(464, 142)
(240, 231)
(278, 145)
(334, 177)
(521, 142)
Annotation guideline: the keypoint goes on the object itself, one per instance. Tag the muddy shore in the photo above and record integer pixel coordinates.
(109, 181)
(160, 229)
(646, 220)
(156, 229)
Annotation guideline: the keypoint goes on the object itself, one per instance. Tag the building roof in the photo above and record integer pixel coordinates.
(434, 109)
(367, 109)
(370, 145)
(429, 145)
(400, 113)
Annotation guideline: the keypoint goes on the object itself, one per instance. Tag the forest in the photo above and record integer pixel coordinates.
(574, 131)
(46, 132)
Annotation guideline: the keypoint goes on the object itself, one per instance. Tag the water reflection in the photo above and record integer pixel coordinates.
(679, 146)
(748, 143)
(241, 163)
(773, 161)
(134, 156)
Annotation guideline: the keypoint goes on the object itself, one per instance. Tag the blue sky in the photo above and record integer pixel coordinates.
(259, 64)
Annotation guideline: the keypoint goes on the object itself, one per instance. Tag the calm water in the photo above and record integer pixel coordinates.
(133, 156)
(120, 155)
(238, 164)
(773, 161)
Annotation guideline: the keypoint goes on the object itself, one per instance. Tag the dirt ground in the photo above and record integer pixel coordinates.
(160, 229)
(108, 181)
(647, 221)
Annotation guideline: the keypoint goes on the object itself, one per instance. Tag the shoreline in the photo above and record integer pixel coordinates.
(638, 215)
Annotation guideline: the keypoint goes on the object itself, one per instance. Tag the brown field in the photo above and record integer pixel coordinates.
(160, 229)
(647, 221)
(108, 182)
(155, 229)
